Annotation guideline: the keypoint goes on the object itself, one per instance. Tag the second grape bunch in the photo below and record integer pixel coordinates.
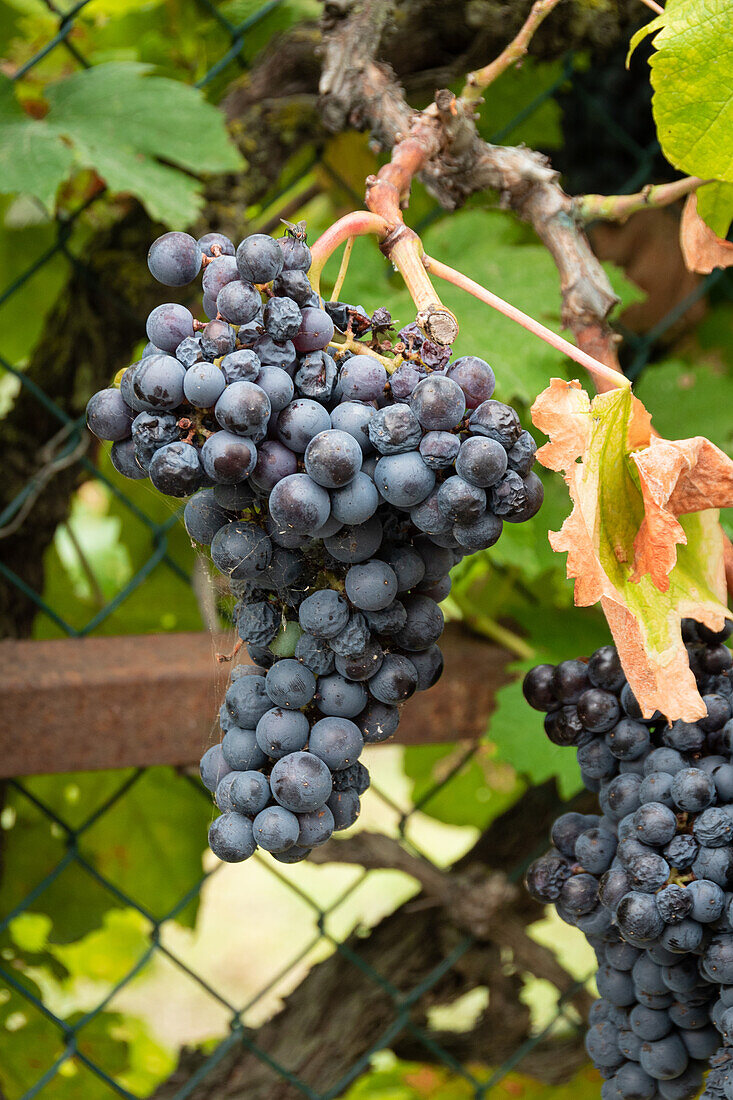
(337, 474)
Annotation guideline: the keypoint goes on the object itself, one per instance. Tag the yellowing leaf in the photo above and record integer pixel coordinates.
(702, 249)
(643, 538)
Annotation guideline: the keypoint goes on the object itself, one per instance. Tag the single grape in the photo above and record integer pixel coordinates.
(356, 502)
(354, 417)
(238, 302)
(231, 837)
(481, 461)
(371, 586)
(299, 504)
(108, 416)
(274, 462)
(300, 421)
(278, 385)
(438, 402)
(429, 664)
(276, 829)
(281, 318)
(378, 722)
(123, 458)
(296, 285)
(301, 782)
(175, 470)
(439, 450)
(241, 550)
(339, 697)
(203, 517)
(168, 325)
(295, 252)
(316, 827)
(403, 479)
(158, 382)
(345, 807)
(461, 502)
(475, 377)
(395, 680)
(355, 543)
(203, 384)
(362, 378)
(217, 338)
(175, 259)
(290, 684)
(244, 409)
(394, 429)
(217, 274)
(423, 625)
(259, 259)
(239, 746)
(249, 792)
(497, 421)
(315, 332)
(480, 534)
(333, 458)
(215, 244)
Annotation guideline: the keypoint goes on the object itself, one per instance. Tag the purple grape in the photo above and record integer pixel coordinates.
(362, 378)
(300, 421)
(278, 385)
(228, 458)
(439, 450)
(109, 417)
(238, 302)
(301, 782)
(244, 409)
(299, 504)
(481, 461)
(175, 470)
(203, 385)
(356, 502)
(259, 259)
(315, 332)
(168, 325)
(403, 479)
(217, 338)
(296, 254)
(209, 241)
(475, 377)
(217, 274)
(274, 462)
(438, 403)
(333, 458)
(281, 318)
(354, 417)
(240, 366)
(175, 259)
(123, 458)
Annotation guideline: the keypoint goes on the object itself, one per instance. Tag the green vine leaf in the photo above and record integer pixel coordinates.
(715, 206)
(693, 93)
(138, 132)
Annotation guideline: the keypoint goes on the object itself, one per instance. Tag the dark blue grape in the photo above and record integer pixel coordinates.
(395, 681)
(497, 421)
(345, 807)
(296, 285)
(168, 325)
(215, 244)
(522, 455)
(281, 318)
(692, 790)
(228, 458)
(438, 402)
(257, 623)
(249, 792)
(315, 332)
(231, 837)
(300, 421)
(259, 259)
(108, 416)
(316, 376)
(276, 829)
(394, 429)
(175, 470)
(362, 378)
(290, 684)
(378, 722)
(241, 550)
(175, 259)
(316, 827)
(439, 450)
(546, 876)
(244, 409)
(217, 338)
(203, 385)
(475, 377)
(481, 461)
(355, 543)
(371, 586)
(239, 746)
(480, 534)
(403, 479)
(203, 517)
(299, 504)
(238, 302)
(461, 502)
(240, 366)
(301, 782)
(123, 458)
(217, 274)
(158, 382)
(213, 767)
(272, 353)
(354, 417)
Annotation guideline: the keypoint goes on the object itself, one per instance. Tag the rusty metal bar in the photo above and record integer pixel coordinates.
(87, 703)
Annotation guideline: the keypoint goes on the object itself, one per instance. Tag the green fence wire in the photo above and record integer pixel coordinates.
(68, 447)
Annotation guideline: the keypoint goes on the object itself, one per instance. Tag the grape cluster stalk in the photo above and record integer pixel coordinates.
(649, 878)
(336, 483)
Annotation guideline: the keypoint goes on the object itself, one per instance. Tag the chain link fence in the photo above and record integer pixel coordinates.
(322, 932)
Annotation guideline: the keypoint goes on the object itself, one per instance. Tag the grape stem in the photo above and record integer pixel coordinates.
(343, 269)
(347, 342)
(620, 207)
(479, 79)
(359, 223)
(605, 378)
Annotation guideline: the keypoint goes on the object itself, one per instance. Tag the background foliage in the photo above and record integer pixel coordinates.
(102, 874)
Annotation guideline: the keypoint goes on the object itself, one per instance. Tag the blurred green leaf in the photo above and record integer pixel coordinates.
(33, 157)
(124, 123)
(693, 97)
(687, 399)
(475, 794)
(715, 206)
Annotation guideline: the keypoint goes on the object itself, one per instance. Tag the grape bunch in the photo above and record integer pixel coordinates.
(336, 484)
(648, 879)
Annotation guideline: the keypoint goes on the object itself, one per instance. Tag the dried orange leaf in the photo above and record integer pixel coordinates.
(702, 249)
(643, 539)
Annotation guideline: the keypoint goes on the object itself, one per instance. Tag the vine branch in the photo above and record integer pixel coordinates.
(480, 79)
(620, 207)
